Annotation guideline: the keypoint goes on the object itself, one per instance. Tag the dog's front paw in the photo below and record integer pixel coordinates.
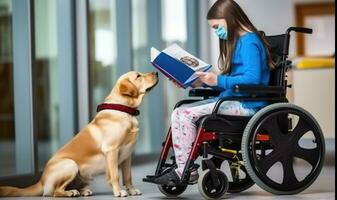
(134, 192)
(121, 193)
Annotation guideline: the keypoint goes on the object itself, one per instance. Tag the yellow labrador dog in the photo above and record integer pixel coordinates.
(102, 146)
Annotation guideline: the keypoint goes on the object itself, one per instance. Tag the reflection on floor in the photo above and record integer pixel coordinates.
(323, 188)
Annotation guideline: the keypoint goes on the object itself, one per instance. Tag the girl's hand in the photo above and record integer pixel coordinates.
(209, 78)
(197, 83)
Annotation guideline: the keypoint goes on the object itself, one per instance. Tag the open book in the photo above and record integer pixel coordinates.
(177, 64)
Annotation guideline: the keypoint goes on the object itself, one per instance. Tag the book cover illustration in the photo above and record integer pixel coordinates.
(177, 64)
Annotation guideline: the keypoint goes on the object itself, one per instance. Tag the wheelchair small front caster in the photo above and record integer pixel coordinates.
(172, 191)
(210, 188)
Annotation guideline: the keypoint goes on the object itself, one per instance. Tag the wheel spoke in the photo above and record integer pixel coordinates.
(289, 177)
(273, 128)
(301, 128)
(268, 161)
(209, 183)
(309, 155)
(209, 190)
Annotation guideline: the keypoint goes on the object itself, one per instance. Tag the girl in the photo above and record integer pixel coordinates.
(244, 59)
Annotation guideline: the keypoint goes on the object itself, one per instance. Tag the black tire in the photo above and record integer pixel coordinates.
(172, 191)
(284, 148)
(208, 190)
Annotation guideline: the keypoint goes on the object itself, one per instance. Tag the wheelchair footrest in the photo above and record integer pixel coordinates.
(151, 176)
(151, 179)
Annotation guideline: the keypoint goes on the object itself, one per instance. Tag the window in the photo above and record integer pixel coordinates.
(7, 130)
(46, 80)
(140, 54)
(52, 76)
(102, 50)
(173, 31)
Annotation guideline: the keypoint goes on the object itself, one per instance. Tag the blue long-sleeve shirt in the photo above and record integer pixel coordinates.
(249, 67)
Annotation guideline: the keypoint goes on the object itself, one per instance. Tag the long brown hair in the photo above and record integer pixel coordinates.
(236, 19)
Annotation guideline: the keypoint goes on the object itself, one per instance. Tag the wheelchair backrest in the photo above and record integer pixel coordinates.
(278, 46)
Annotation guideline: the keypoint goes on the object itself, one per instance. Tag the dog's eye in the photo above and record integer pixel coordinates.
(138, 76)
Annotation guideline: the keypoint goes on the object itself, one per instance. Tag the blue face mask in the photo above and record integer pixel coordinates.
(222, 32)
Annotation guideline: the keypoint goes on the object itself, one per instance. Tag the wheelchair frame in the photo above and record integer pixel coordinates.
(273, 94)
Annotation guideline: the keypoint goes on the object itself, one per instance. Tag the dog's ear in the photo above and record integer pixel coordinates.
(128, 88)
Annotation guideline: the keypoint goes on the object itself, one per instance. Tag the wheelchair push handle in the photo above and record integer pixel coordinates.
(287, 37)
(300, 30)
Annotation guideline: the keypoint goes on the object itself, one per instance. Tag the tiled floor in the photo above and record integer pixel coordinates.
(323, 188)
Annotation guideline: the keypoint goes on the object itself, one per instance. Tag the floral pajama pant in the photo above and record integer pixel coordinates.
(184, 129)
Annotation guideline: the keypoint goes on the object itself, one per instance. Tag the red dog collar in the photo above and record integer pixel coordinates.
(122, 108)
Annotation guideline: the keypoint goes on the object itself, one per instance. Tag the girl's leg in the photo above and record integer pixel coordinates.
(184, 131)
(177, 132)
(235, 108)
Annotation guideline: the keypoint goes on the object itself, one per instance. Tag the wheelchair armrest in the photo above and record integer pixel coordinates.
(259, 89)
(247, 98)
(186, 101)
(203, 93)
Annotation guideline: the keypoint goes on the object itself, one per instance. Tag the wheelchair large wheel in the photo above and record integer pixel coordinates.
(285, 129)
(207, 188)
(172, 191)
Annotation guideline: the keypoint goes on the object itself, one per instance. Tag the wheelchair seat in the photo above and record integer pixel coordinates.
(228, 124)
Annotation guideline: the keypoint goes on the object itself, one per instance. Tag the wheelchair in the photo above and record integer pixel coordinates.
(251, 145)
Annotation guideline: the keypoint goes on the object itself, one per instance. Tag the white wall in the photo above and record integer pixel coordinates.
(314, 90)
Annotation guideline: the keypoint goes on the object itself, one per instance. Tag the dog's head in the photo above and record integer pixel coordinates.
(131, 88)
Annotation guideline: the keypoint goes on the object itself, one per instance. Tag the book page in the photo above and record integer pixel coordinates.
(183, 56)
(154, 53)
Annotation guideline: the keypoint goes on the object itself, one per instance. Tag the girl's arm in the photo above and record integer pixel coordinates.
(252, 63)
(209, 79)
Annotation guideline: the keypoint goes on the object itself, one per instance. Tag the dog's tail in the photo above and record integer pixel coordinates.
(33, 190)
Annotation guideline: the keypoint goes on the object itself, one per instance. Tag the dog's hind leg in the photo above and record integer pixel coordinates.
(60, 175)
(81, 184)
(85, 191)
